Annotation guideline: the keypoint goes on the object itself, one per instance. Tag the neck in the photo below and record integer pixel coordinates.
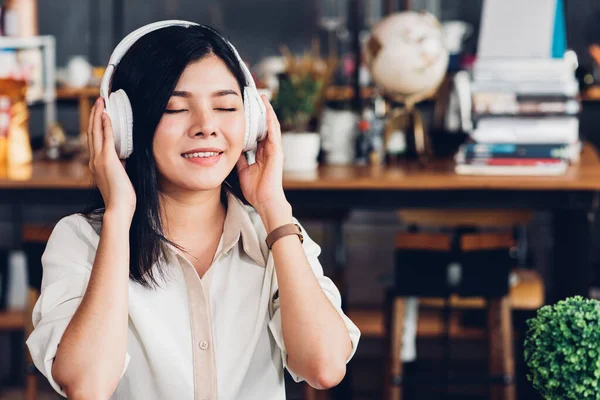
(187, 214)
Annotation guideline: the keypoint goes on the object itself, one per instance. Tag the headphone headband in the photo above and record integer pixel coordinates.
(119, 107)
(125, 44)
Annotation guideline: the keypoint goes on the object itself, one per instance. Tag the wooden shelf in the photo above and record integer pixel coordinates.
(33, 233)
(85, 97)
(345, 93)
(12, 320)
(528, 294)
(430, 325)
(66, 92)
(591, 94)
(9, 42)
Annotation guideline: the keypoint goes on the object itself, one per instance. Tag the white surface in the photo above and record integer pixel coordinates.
(300, 151)
(517, 28)
(17, 284)
(409, 337)
(548, 170)
(338, 135)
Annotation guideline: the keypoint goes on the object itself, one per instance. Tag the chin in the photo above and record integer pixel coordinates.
(203, 184)
(200, 186)
(191, 177)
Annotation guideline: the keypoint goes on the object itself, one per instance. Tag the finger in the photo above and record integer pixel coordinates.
(273, 128)
(97, 127)
(271, 115)
(260, 150)
(89, 133)
(109, 135)
(242, 163)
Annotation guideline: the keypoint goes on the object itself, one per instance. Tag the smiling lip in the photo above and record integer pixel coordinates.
(204, 161)
(204, 150)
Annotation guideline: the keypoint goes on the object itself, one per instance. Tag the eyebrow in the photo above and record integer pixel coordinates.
(226, 92)
(181, 93)
(218, 93)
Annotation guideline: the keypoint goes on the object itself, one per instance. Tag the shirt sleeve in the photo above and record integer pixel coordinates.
(67, 262)
(312, 251)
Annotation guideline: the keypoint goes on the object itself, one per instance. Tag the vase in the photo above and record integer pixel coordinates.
(300, 150)
(338, 136)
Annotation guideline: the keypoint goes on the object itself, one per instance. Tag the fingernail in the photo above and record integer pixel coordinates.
(98, 101)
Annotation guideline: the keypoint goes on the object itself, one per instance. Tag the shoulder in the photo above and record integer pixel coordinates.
(77, 223)
(73, 233)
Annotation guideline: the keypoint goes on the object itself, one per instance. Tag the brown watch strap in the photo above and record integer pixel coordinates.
(283, 230)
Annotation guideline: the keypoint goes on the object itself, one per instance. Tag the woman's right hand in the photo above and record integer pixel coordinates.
(108, 171)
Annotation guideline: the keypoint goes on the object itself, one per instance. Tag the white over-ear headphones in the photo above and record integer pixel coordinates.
(119, 110)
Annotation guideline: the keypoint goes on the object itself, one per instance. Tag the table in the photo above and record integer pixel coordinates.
(572, 198)
(334, 190)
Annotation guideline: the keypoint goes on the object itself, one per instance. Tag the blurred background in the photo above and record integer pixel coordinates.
(485, 107)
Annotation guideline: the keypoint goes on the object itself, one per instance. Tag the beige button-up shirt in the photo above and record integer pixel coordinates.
(218, 337)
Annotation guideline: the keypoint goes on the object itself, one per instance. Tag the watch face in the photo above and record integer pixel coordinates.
(300, 235)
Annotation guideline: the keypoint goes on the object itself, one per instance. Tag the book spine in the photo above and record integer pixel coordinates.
(514, 161)
(513, 151)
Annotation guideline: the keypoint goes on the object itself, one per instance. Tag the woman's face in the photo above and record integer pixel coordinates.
(200, 137)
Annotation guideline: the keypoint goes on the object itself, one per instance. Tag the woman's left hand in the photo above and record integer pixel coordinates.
(262, 182)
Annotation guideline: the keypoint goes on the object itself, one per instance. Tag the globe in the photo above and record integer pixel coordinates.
(406, 56)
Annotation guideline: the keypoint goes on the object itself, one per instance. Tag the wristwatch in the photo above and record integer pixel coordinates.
(284, 230)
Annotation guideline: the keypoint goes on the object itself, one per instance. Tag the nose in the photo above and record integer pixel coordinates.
(203, 124)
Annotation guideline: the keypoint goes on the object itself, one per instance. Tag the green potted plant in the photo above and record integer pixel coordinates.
(562, 350)
(295, 101)
(297, 105)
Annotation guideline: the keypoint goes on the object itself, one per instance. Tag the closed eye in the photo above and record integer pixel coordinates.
(174, 111)
(226, 109)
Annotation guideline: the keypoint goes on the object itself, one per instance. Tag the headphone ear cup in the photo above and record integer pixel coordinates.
(256, 118)
(121, 116)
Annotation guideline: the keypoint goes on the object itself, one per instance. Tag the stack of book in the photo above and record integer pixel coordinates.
(525, 113)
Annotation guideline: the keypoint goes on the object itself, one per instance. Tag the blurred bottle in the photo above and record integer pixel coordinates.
(19, 18)
(363, 144)
(370, 146)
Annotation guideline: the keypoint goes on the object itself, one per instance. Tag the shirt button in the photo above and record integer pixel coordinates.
(203, 345)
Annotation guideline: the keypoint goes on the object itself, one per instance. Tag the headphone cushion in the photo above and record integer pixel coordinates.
(256, 119)
(250, 136)
(121, 116)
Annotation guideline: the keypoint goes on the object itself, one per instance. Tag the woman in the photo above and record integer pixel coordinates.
(193, 305)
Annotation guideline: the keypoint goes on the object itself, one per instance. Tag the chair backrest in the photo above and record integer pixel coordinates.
(459, 218)
(34, 239)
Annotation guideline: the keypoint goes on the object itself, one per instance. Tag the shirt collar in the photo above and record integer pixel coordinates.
(237, 224)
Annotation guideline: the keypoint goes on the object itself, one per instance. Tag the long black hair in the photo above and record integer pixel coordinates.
(149, 73)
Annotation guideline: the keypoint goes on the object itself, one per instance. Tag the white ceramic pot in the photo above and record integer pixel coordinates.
(300, 150)
(80, 71)
(338, 136)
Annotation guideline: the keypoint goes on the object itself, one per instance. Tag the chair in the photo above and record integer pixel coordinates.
(35, 238)
(11, 320)
(481, 240)
(472, 232)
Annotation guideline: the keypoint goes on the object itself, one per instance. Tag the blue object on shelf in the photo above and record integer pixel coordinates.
(559, 39)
